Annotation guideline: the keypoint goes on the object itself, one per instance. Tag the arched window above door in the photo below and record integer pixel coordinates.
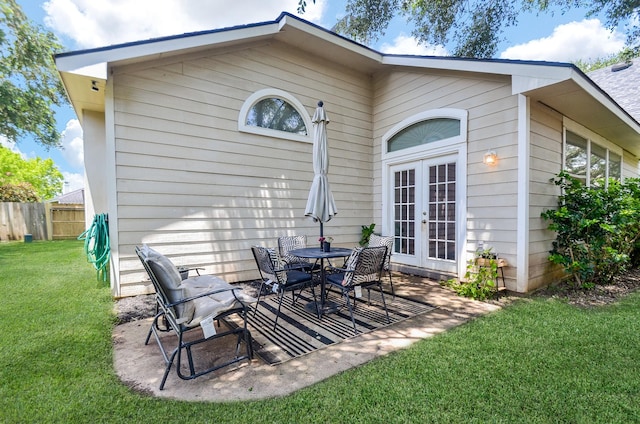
(275, 113)
(430, 127)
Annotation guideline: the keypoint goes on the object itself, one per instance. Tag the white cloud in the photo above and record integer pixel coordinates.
(72, 144)
(72, 181)
(585, 40)
(403, 44)
(92, 23)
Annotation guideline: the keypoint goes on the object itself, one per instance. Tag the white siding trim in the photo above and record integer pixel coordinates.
(524, 134)
(110, 187)
(269, 93)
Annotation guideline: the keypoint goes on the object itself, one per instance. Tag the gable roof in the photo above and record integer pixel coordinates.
(622, 82)
(75, 197)
(560, 86)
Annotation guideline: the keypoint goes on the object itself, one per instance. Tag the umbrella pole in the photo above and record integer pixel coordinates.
(321, 229)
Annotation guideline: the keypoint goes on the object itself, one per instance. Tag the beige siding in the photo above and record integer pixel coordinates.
(492, 192)
(545, 164)
(192, 185)
(630, 166)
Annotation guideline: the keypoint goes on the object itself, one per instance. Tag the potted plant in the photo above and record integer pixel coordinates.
(325, 243)
(483, 257)
(366, 233)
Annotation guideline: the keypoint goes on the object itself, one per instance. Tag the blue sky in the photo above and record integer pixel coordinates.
(89, 23)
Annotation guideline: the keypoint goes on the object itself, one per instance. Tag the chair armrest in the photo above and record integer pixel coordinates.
(209, 293)
(182, 269)
(335, 270)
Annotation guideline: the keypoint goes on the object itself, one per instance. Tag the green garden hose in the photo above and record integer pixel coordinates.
(96, 244)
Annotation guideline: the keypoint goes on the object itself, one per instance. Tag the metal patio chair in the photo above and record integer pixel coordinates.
(275, 275)
(189, 305)
(375, 241)
(363, 270)
(286, 244)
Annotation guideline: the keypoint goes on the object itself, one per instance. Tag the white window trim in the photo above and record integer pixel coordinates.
(270, 93)
(591, 137)
(446, 113)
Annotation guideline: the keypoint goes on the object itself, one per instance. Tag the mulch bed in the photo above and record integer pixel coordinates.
(598, 296)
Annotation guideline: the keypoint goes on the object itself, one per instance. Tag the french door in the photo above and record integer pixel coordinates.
(423, 213)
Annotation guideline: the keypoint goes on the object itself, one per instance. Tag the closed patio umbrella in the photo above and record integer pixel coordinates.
(320, 205)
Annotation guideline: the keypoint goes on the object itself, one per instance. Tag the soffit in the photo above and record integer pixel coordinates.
(592, 109)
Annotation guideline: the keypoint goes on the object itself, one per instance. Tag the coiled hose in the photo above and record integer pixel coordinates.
(96, 245)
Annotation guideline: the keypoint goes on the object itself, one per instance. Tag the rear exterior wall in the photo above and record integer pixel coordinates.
(195, 188)
(492, 125)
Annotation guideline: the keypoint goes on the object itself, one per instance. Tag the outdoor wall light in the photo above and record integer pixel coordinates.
(490, 158)
(94, 86)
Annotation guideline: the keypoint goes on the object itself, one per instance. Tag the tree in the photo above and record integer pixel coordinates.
(623, 56)
(475, 27)
(17, 174)
(29, 82)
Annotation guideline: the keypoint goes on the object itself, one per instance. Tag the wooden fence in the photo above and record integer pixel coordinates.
(44, 221)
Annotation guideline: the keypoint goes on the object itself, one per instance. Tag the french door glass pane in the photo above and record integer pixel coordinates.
(404, 207)
(442, 225)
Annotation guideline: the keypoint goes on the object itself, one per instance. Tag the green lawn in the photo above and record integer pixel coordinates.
(536, 361)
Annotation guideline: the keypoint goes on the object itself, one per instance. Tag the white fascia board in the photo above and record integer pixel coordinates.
(76, 63)
(543, 71)
(331, 37)
(97, 71)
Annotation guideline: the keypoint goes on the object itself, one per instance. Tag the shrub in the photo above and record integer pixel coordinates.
(481, 280)
(597, 228)
(21, 192)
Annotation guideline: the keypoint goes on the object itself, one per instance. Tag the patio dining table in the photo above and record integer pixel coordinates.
(325, 307)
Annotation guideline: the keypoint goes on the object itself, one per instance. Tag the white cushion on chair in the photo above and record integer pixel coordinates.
(214, 304)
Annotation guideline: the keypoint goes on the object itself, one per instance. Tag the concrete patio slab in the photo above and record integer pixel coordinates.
(141, 366)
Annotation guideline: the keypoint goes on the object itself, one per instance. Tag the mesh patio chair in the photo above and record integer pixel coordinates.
(190, 305)
(286, 244)
(278, 278)
(362, 270)
(375, 241)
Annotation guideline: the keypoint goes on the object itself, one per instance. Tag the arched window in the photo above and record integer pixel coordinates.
(275, 113)
(430, 127)
(424, 132)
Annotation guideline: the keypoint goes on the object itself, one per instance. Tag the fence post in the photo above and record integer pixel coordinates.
(47, 217)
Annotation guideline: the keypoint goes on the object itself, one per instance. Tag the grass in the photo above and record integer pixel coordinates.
(538, 361)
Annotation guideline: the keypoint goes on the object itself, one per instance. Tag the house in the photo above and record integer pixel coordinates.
(75, 197)
(180, 153)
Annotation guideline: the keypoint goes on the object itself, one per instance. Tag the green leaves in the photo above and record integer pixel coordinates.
(302, 5)
(474, 28)
(597, 228)
(23, 179)
(29, 83)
